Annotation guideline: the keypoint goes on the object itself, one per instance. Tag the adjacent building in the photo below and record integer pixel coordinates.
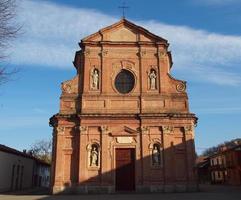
(203, 166)
(124, 122)
(19, 170)
(225, 166)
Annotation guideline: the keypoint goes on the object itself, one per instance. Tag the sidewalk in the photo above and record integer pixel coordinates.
(208, 192)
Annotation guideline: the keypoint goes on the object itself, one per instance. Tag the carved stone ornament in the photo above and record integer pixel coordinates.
(188, 129)
(124, 140)
(167, 129)
(181, 87)
(83, 128)
(104, 129)
(104, 52)
(94, 156)
(152, 76)
(95, 77)
(162, 53)
(87, 52)
(156, 155)
(66, 87)
(60, 130)
(145, 129)
(142, 53)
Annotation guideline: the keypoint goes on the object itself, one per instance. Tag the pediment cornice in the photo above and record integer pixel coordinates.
(124, 24)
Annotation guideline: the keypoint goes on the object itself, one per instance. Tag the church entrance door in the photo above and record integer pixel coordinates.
(125, 169)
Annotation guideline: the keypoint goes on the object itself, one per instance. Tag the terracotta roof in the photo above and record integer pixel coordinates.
(234, 148)
(201, 159)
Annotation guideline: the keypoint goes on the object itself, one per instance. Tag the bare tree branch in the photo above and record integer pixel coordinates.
(42, 150)
(8, 31)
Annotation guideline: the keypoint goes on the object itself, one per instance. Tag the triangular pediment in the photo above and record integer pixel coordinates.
(125, 131)
(124, 31)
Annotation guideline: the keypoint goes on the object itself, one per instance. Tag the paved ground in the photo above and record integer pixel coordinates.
(206, 193)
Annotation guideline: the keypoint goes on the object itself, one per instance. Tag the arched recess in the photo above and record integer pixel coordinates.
(95, 78)
(93, 152)
(156, 154)
(152, 75)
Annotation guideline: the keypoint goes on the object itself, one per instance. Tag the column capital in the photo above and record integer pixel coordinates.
(167, 129)
(145, 129)
(83, 129)
(60, 130)
(104, 129)
(188, 129)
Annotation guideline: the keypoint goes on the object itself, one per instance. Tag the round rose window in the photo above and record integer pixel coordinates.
(124, 81)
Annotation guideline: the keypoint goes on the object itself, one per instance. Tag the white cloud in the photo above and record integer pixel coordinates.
(216, 2)
(218, 110)
(51, 34)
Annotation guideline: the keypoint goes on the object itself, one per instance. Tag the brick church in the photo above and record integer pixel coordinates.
(124, 122)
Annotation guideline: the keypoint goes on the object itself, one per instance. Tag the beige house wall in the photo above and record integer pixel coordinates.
(7, 161)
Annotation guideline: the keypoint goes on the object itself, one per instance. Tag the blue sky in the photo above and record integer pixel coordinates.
(204, 37)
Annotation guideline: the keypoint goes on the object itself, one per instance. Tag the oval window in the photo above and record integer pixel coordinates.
(124, 81)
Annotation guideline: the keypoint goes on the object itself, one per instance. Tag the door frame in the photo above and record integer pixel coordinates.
(114, 161)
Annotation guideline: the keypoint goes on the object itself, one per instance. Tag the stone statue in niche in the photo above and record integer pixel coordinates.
(156, 155)
(95, 79)
(152, 77)
(94, 156)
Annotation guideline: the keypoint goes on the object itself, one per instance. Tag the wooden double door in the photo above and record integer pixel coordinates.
(125, 169)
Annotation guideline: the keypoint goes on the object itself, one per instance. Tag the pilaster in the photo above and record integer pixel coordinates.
(83, 131)
(104, 155)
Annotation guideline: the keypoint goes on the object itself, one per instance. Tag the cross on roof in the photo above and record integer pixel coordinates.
(123, 7)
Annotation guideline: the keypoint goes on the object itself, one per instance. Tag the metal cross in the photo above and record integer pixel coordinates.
(123, 7)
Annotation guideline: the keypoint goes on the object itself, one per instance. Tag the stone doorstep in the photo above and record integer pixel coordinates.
(139, 189)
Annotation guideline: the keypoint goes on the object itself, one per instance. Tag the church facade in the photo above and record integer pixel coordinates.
(124, 122)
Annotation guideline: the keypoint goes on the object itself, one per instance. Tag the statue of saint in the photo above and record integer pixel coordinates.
(156, 156)
(95, 79)
(94, 157)
(152, 77)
